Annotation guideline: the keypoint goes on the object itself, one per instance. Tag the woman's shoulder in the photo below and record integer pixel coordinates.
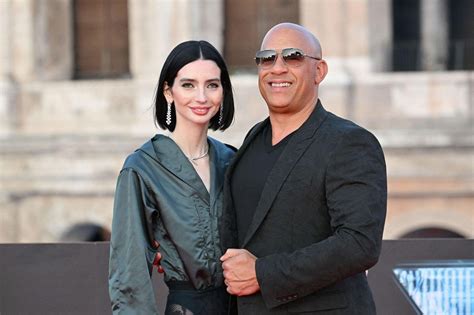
(221, 146)
(224, 151)
(143, 155)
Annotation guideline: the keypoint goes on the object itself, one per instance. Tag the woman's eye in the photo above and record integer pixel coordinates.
(213, 85)
(187, 85)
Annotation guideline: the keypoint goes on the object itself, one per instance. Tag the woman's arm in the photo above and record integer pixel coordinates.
(131, 254)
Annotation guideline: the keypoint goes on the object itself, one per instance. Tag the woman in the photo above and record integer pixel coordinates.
(169, 192)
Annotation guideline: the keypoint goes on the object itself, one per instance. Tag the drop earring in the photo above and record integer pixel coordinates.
(168, 114)
(221, 115)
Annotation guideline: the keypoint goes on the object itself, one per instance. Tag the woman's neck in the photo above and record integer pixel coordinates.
(191, 140)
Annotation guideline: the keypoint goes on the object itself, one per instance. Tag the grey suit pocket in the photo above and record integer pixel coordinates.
(318, 302)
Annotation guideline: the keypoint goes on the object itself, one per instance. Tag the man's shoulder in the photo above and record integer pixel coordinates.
(344, 125)
(342, 130)
(339, 122)
(255, 128)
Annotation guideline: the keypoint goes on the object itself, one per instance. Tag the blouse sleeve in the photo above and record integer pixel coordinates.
(131, 256)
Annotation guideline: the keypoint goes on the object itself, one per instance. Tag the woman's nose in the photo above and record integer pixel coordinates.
(201, 96)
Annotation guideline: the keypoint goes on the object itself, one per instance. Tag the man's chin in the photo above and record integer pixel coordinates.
(278, 106)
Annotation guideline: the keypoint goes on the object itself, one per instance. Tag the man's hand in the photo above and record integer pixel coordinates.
(239, 272)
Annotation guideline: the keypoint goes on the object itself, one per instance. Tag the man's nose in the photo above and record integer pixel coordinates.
(279, 65)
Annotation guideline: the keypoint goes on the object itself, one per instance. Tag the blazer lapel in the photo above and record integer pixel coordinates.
(285, 163)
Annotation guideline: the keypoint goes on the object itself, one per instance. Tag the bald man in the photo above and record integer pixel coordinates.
(306, 194)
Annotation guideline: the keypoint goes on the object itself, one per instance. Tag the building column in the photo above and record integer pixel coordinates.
(345, 42)
(5, 47)
(157, 26)
(42, 40)
(434, 34)
(7, 88)
(380, 34)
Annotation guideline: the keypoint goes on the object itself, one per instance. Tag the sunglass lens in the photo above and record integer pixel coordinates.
(293, 57)
(265, 58)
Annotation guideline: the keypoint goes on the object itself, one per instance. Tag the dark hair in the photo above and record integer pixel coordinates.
(180, 56)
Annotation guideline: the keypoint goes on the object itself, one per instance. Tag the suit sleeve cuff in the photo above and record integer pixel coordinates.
(269, 288)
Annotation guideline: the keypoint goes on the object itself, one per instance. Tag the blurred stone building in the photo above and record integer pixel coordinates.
(77, 79)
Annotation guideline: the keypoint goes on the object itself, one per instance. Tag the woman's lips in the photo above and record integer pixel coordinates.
(200, 110)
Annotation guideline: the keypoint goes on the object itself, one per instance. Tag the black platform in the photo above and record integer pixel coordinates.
(72, 278)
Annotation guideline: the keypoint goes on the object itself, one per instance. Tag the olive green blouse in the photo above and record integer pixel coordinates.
(160, 197)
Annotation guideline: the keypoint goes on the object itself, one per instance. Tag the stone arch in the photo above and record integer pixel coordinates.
(456, 222)
(432, 232)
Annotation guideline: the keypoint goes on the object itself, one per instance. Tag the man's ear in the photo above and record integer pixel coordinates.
(321, 71)
(167, 93)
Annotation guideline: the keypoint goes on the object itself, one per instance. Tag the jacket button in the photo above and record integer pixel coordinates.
(155, 244)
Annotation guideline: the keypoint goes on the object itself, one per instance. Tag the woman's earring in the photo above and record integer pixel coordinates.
(168, 114)
(221, 115)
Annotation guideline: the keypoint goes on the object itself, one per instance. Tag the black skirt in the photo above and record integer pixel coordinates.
(183, 299)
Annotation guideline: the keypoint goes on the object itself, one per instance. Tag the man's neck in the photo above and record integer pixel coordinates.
(285, 123)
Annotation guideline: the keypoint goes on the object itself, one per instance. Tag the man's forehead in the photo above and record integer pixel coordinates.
(284, 37)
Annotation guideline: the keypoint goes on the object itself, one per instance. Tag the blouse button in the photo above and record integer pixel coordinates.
(155, 244)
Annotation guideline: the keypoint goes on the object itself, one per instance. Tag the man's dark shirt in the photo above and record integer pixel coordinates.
(250, 175)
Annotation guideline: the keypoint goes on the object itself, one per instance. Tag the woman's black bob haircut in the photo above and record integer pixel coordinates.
(180, 56)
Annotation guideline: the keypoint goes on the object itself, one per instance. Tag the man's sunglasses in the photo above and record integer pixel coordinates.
(292, 57)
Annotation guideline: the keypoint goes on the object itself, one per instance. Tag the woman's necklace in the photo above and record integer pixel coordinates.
(194, 159)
